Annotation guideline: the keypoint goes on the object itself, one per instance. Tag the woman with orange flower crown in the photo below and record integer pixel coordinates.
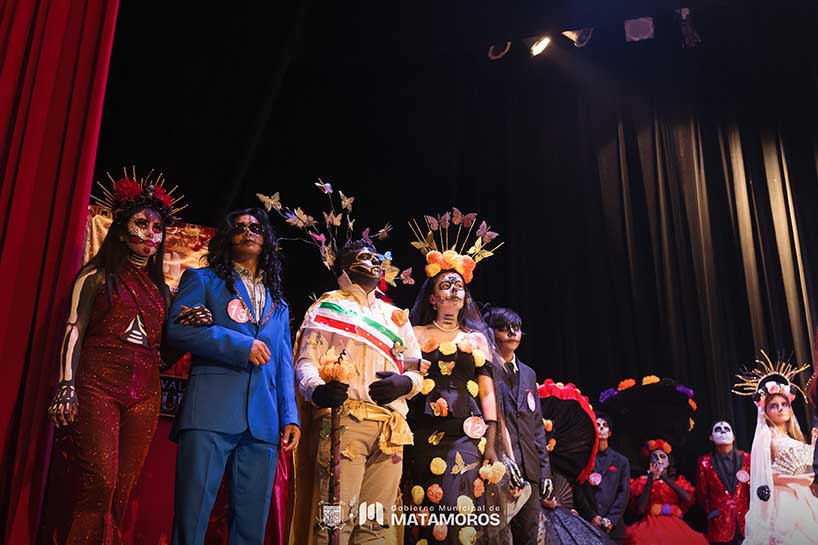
(661, 498)
(782, 507)
(456, 469)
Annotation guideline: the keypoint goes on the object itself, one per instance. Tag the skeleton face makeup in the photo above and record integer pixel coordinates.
(604, 428)
(660, 459)
(450, 292)
(508, 335)
(722, 434)
(778, 409)
(247, 235)
(145, 232)
(367, 264)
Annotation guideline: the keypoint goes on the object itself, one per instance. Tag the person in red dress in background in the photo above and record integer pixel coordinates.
(723, 486)
(109, 391)
(661, 498)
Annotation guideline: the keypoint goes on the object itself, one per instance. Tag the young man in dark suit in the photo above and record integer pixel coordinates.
(607, 490)
(517, 386)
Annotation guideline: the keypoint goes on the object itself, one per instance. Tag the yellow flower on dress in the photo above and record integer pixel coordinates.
(650, 379)
(481, 445)
(437, 466)
(427, 386)
(418, 494)
(691, 424)
(472, 387)
(447, 348)
(467, 536)
(422, 542)
(479, 357)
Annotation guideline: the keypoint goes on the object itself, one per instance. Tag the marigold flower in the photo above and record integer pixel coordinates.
(447, 348)
(434, 493)
(437, 466)
(625, 384)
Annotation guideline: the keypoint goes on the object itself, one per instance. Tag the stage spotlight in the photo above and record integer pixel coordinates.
(539, 45)
(579, 38)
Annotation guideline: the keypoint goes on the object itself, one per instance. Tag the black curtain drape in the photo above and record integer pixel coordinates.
(656, 201)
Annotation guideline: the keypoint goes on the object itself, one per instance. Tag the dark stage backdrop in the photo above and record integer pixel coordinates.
(657, 202)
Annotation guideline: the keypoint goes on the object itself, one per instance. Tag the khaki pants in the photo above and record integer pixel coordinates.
(367, 475)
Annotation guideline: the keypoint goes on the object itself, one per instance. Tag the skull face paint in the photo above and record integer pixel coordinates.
(603, 428)
(367, 263)
(450, 291)
(722, 434)
(660, 459)
(145, 232)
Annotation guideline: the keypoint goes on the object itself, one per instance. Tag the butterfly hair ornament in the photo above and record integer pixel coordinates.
(131, 193)
(330, 235)
(769, 378)
(445, 251)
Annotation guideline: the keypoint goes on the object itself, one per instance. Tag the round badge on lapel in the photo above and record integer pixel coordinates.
(742, 476)
(474, 427)
(595, 478)
(237, 312)
(531, 402)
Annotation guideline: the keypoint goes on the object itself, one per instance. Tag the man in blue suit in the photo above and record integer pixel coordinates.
(239, 408)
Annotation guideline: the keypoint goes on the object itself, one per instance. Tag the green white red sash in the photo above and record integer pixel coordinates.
(332, 316)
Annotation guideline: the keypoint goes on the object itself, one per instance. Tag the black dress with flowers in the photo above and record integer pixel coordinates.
(442, 468)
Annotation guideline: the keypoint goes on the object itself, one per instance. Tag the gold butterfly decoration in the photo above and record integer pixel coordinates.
(273, 202)
(460, 466)
(445, 367)
(346, 202)
(436, 437)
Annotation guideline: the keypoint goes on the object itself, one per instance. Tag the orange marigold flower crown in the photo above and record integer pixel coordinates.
(446, 253)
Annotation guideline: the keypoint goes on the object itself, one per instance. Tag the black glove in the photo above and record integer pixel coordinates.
(332, 394)
(390, 387)
(546, 488)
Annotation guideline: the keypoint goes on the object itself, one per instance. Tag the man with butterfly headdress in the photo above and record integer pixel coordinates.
(353, 355)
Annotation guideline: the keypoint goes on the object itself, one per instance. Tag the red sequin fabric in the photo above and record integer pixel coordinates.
(119, 395)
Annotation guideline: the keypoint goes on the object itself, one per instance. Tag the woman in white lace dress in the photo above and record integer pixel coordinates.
(783, 510)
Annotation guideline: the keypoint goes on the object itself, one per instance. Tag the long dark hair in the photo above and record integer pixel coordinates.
(423, 313)
(113, 253)
(219, 256)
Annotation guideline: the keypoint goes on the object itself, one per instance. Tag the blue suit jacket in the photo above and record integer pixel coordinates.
(226, 393)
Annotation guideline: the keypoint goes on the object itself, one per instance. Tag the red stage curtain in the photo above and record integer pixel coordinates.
(54, 59)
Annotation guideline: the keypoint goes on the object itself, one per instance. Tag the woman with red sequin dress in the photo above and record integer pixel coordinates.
(109, 391)
(661, 497)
